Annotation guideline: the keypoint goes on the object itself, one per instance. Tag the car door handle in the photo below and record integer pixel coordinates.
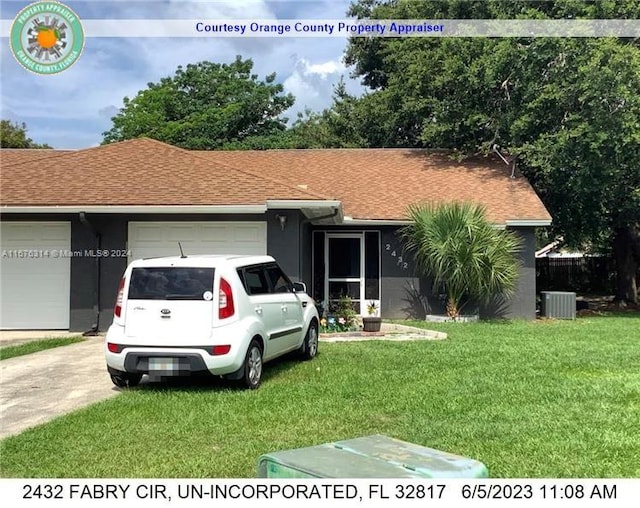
(258, 309)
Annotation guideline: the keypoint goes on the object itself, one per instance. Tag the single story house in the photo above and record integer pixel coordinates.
(71, 220)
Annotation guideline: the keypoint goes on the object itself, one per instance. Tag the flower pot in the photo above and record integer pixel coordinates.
(371, 324)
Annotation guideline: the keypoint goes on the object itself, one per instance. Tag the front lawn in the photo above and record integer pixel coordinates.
(542, 399)
(34, 346)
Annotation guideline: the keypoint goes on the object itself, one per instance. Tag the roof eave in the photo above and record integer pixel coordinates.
(318, 211)
(350, 221)
(527, 222)
(142, 209)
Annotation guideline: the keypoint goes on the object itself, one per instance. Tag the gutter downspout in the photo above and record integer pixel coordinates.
(96, 294)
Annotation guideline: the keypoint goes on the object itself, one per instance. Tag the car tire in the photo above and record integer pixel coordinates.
(126, 380)
(309, 348)
(253, 366)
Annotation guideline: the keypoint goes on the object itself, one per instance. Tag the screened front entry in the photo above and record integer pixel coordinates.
(347, 264)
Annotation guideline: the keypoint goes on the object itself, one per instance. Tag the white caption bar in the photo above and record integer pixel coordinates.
(375, 493)
(285, 28)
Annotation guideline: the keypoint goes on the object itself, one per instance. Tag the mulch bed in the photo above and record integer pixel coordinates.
(599, 305)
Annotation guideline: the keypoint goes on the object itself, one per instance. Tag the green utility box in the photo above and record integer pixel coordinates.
(368, 457)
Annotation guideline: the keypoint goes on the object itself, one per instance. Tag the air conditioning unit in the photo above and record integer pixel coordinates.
(558, 304)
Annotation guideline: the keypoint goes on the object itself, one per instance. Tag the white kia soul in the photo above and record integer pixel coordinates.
(227, 315)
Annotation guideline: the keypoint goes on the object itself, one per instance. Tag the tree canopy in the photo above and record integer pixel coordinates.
(338, 126)
(14, 135)
(568, 109)
(204, 106)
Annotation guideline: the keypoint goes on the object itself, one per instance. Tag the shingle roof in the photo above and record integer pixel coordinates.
(371, 183)
(12, 156)
(137, 172)
(380, 183)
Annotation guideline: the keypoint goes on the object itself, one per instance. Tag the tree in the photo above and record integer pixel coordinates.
(456, 245)
(338, 126)
(14, 135)
(567, 109)
(204, 106)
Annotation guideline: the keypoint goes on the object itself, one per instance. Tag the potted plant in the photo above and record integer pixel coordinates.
(372, 322)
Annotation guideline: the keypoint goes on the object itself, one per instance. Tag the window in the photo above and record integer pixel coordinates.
(265, 279)
(318, 266)
(255, 281)
(170, 283)
(280, 283)
(372, 265)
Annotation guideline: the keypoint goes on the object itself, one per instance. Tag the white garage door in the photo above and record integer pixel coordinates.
(153, 239)
(35, 275)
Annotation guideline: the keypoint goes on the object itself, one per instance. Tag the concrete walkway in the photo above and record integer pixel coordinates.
(388, 331)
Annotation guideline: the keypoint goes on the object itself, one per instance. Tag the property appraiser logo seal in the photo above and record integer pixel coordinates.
(47, 37)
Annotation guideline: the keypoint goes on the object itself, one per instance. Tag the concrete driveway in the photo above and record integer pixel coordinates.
(38, 387)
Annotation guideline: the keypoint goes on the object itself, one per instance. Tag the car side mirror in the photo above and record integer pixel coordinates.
(299, 287)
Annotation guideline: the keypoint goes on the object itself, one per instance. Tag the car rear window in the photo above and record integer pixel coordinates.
(171, 283)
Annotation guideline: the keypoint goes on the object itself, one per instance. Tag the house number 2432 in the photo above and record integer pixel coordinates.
(403, 264)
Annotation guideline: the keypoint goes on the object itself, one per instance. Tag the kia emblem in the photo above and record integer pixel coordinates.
(165, 311)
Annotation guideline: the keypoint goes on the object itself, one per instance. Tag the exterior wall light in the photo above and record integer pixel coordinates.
(283, 221)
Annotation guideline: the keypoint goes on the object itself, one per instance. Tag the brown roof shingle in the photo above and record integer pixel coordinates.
(12, 156)
(371, 183)
(380, 183)
(137, 172)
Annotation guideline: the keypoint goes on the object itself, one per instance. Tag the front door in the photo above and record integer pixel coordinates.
(345, 268)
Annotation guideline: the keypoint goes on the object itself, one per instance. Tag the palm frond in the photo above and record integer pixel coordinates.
(455, 245)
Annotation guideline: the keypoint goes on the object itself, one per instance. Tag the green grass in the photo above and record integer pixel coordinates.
(541, 399)
(27, 348)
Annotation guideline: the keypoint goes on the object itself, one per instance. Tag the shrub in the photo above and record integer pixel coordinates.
(459, 248)
(341, 318)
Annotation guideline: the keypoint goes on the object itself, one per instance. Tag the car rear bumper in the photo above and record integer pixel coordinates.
(167, 361)
(143, 363)
(172, 359)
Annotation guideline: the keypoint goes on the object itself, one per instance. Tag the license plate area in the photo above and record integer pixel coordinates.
(164, 366)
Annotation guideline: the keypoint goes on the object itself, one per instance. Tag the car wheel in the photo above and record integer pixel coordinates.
(253, 366)
(309, 347)
(126, 380)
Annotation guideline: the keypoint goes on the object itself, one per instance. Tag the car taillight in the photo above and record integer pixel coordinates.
(225, 302)
(118, 308)
(113, 348)
(221, 350)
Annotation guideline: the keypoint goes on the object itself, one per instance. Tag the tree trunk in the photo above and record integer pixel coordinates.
(626, 243)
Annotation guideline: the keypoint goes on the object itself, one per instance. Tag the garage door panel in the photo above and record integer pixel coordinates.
(217, 233)
(181, 234)
(216, 239)
(51, 234)
(248, 234)
(161, 238)
(147, 233)
(34, 291)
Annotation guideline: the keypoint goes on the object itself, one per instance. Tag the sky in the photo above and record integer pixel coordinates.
(73, 108)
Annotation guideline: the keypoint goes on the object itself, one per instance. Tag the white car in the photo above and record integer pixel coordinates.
(223, 314)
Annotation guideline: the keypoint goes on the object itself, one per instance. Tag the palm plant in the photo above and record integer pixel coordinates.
(457, 247)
